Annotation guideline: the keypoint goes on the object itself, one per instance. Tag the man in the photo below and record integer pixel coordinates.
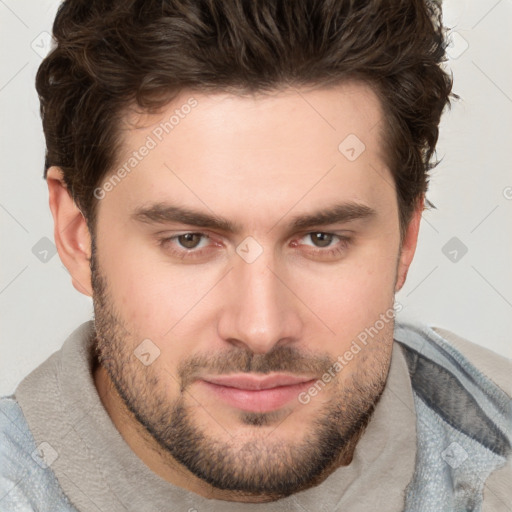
(239, 187)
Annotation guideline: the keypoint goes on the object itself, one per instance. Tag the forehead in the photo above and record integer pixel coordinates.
(255, 154)
(280, 116)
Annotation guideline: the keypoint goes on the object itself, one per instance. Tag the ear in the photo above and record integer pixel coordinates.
(71, 233)
(409, 244)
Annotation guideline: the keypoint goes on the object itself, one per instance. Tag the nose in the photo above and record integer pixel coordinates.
(262, 310)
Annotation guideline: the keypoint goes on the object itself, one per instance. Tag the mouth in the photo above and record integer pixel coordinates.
(256, 393)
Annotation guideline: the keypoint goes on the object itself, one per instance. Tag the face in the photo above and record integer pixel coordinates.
(238, 263)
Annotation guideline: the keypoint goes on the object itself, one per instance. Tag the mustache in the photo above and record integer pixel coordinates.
(279, 359)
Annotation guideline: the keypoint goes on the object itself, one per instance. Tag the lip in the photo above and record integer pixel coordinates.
(255, 382)
(256, 393)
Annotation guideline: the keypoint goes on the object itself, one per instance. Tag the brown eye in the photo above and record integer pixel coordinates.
(189, 247)
(321, 239)
(324, 246)
(189, 240)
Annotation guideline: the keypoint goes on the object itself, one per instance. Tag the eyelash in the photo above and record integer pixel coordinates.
(199, 253)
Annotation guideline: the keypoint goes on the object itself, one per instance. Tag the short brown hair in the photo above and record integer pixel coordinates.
(109, 55)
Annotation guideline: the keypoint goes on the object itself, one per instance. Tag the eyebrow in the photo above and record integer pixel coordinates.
(163, 213)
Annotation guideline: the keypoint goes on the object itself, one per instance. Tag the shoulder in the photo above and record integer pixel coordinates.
(441, 351)
(494, 366)
(26, 481)
(469, 388)
(16, 446)
(464, 385)
(16, 441)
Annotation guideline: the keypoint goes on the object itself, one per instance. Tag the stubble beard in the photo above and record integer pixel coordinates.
(264, 466)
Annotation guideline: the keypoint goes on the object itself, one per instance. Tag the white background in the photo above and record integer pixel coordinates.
(472, 189)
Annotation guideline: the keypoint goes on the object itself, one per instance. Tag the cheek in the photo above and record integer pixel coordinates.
(148, 295)
(352, 296)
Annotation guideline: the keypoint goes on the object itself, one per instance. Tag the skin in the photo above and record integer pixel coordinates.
(258, 161)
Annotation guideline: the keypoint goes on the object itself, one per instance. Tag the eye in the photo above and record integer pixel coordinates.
(189, 240)
(192, 245)
(321, 239)
(186, 245)
(323, 246)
